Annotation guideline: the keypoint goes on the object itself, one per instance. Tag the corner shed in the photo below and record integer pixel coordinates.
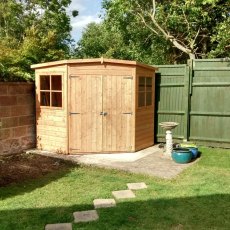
(94, 105)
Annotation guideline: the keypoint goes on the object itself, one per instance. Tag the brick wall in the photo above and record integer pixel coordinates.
(17, 117)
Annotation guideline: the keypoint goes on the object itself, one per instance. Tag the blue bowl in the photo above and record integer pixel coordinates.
(194, 151)
(181, 155)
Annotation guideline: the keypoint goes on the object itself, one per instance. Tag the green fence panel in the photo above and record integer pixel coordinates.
(172, 87)
(210, 102)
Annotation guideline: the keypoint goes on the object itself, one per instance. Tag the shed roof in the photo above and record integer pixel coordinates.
(94, 60)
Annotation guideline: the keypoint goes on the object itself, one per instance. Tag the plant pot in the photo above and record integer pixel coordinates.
(181, 155)
(192, 147)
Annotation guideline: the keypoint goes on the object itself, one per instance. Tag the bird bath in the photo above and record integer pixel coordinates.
(168, 126)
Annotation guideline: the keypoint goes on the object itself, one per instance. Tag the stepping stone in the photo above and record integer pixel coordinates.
(85, 216)
(65, 226)
(104, 203)
(123, 194)
(137, 186)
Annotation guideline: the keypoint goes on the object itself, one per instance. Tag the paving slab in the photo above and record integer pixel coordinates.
(64, 226)
(85, 216)
(136, 186)
(104, 203)
(123, 194)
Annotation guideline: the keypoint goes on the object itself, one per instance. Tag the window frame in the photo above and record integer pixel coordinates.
(50, 90)
(145, 91)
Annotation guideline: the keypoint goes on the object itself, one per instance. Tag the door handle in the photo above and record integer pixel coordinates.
(103, 113)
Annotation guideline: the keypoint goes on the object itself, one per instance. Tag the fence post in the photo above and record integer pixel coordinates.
(187, 77)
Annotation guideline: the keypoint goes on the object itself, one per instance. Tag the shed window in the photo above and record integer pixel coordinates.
(145, 88)
(51, 90)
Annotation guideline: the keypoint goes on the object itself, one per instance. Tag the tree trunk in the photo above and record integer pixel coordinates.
(192, 56)
(182, 48)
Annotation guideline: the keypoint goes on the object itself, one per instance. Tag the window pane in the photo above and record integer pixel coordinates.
(56, 99)
(45, 82)
(45, 99)
(56, 82)
(141, 83)
(148, 98)
(148, 84)
(141, 99)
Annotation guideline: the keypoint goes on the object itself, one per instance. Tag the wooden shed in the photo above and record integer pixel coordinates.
(94, 106)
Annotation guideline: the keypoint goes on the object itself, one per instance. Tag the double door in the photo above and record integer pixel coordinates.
(101, 114)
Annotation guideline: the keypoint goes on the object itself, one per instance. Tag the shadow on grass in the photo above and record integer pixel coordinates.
(31, 184)
(201, 212)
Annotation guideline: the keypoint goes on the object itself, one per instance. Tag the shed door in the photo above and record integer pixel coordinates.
(101, 114)
(117, 104)
(85, 109)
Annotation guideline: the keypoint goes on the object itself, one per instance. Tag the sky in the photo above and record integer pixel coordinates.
(89, 11)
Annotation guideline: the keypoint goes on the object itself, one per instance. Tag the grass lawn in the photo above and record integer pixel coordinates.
(199, 198)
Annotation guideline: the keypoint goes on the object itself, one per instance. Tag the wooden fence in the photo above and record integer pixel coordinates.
(197, 96)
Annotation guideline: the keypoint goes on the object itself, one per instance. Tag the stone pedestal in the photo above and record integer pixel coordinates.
(168, 126)
(169, 143)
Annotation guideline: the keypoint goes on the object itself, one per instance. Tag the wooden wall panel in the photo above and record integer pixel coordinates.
(52, 133)
(98, 69)
(144, 128)
(144, 124)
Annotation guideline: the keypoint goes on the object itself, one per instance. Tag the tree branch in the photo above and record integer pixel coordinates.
(146, 24)
(154, 8)
(194, 40)
(159, 29)
(185, 18)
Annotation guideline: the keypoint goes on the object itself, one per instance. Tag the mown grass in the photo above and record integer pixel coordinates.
(199, 198)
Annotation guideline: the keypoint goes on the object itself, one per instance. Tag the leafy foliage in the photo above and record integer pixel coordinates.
(221, 40)
(107, 41)
(32, 31)
(159, 32)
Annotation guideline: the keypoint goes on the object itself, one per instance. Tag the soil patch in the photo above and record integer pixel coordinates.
(22, 167)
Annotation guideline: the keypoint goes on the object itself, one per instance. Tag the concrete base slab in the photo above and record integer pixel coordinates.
(85, 216)
(65, 226)
(104, 203)
(136, 186)
(150, 161)
(123, 194)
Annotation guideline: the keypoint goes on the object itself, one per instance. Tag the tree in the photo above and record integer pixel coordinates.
(32, 31)
(188, 25)
(130, 43)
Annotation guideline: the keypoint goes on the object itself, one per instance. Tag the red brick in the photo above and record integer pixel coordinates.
(22, 110)
(20, 131)
(11, 146)
(26, 120)
(5, 111)
(9, 122)
(29, 89)
(28, 142)
(8, 100)
(5, 134)
(16, 89)
(3, 89)
(31, 130)
(25, 100)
